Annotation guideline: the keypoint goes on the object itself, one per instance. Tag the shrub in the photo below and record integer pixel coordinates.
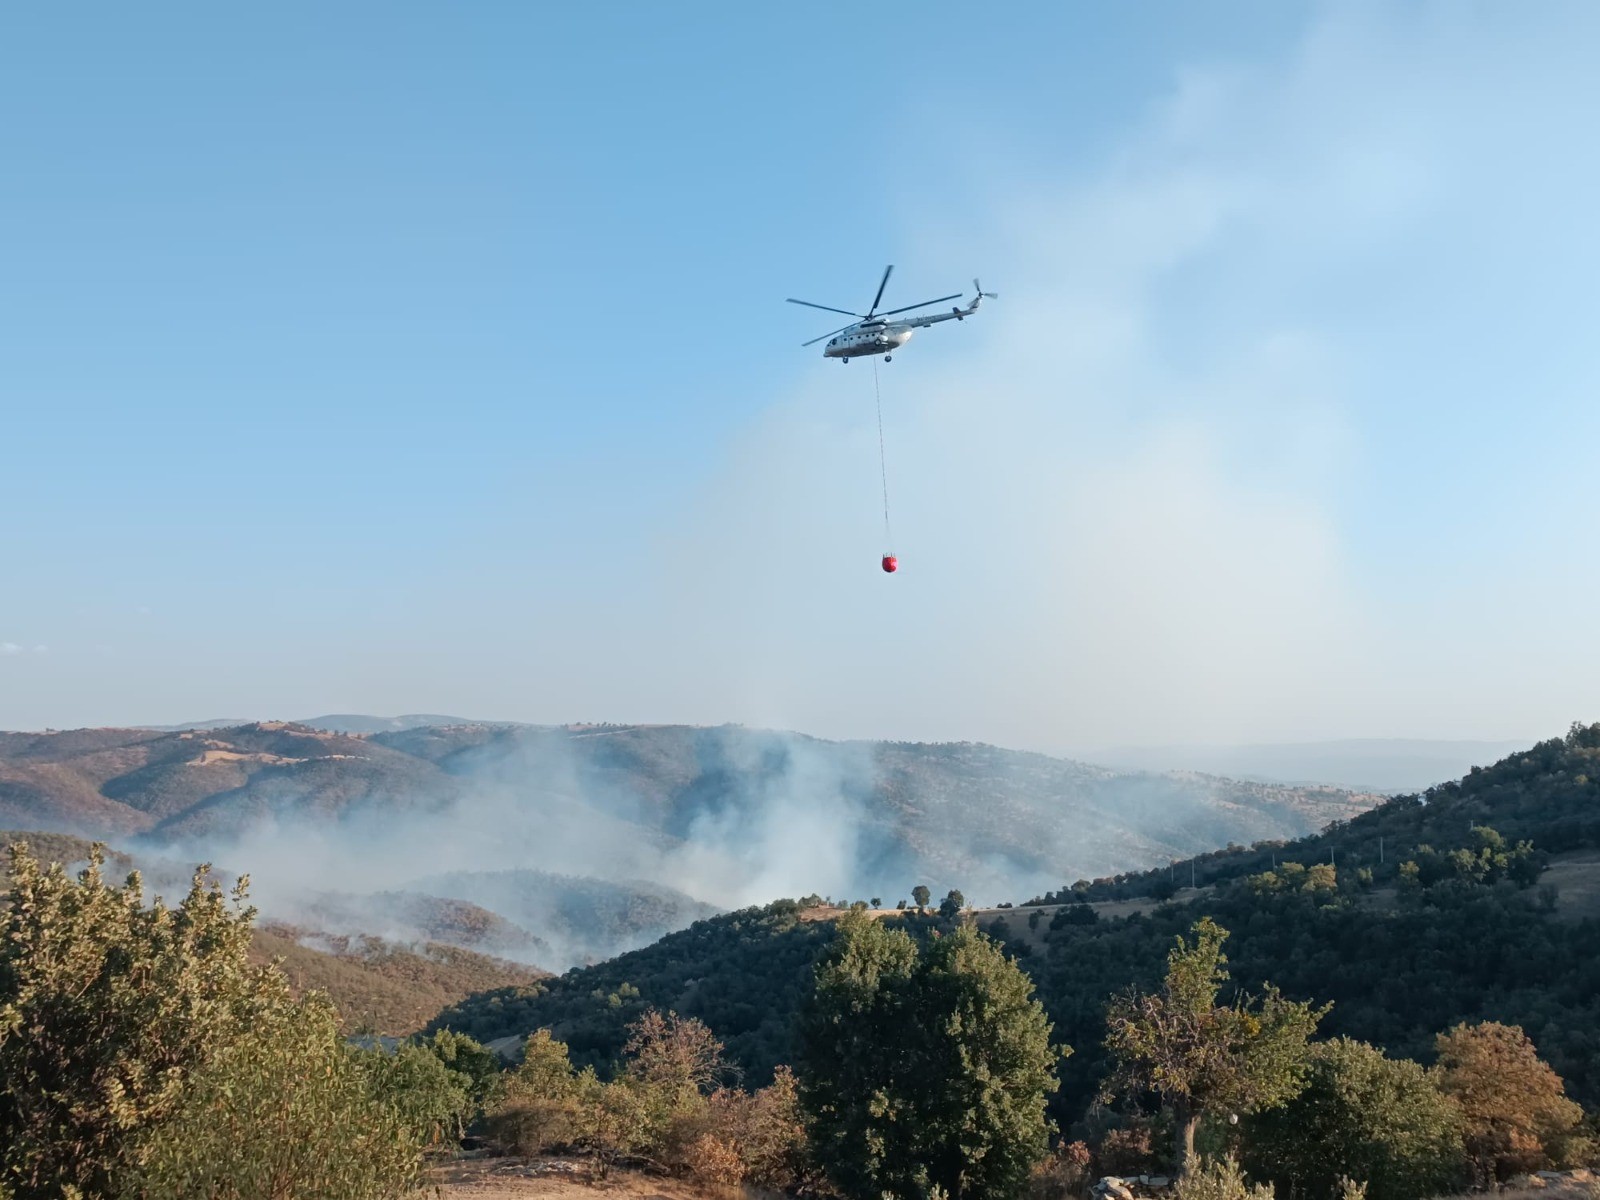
(543, 1105)
(252, 1125)
(1218, 1179)
(1128, 1150)
(712, 1159)
(1063, 1175)
(426, 1096)
(765, 1128)
(656, 1108)
(141, 1054)
(1364, 1116)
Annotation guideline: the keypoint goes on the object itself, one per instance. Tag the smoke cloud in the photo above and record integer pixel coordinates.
(591, 842)
(1182, 481)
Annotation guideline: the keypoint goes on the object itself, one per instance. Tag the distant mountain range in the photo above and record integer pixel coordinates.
(941, 810)
(726, 815)
(1391, 766)
(339, 723)
(1384, 766)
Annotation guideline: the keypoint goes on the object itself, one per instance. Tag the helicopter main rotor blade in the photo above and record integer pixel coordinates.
(830, 333)
(823, 307)
(924, 304)
(881, 285)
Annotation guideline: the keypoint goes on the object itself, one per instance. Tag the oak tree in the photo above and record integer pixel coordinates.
(1201, 1057)
(1517, 1114)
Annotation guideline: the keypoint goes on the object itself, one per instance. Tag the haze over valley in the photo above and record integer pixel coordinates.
(562, 845)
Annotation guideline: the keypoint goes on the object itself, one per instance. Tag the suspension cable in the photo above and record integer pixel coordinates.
(883, 462)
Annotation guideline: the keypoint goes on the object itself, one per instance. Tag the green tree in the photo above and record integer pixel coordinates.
(428, 1097)
(1488, 860)
(924, 1071)
(1201, 1057)
(105, 1006)
(1517, 1114)
(952, 904)
(131, 1034)
(540, 1105)
(478, 1065)
(673, 1063)
(1363, 1116)
(921, 895)
(289, 1109)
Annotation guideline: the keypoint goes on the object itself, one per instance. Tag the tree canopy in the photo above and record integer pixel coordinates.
(142, 1054)
(926, 1067)
(1364, 1116)
(1517, 1114)
(1202, 1057)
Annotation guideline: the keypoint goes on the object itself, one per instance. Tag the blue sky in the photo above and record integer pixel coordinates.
(401, 357)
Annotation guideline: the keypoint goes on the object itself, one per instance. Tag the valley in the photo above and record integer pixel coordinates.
(559, 846)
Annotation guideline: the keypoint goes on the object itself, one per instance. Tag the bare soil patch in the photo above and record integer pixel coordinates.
(496, 1178)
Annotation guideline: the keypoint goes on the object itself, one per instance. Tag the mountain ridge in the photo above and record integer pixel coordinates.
(717, 817)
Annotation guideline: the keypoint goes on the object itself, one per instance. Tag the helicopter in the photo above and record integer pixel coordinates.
(873, 333)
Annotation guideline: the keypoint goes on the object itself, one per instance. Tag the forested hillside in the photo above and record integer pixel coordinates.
(1463, 927)
(1549, 794)
(742, 973)
(53, 847)
(946, 811)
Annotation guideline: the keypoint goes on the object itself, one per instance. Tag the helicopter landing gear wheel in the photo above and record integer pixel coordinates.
(888, 358)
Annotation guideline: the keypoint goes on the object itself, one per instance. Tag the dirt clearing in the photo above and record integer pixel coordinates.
(489, 1178)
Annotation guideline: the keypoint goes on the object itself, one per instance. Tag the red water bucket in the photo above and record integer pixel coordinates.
(891, 563)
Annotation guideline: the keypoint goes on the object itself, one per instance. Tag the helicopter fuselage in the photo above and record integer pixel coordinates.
(862, 340)
(884, 337)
